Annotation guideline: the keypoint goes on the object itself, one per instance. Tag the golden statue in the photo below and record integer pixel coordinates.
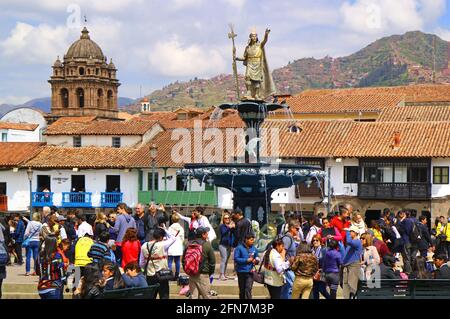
(258, 80)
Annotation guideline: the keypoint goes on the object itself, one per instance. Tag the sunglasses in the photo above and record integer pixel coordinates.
(315, 240)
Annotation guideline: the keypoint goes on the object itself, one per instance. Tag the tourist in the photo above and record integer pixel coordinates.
(405, 226)
(18, 235)
(246, 257)
(69, 225)
(61, 221)
(226, 243)
(100, 225)
(243, 226)
(443, 237)
(351, 262)
(199, 270)
(275, 265)
(139, 218)
(82, 248)
(328, 232)
(314, 228)
(425, 240)
(133, 276)
(341, 221)
(131, 247)
(112, 216)
(331, 266)
(50, 228)
(198, 220)
(123, 222)
(381, 247)
(99, 251)
(358, 221)
(371, 259)
(305, 267)
(84, 227)
(419, 269)
(63, 248)
(91, 283)
(112, 277)
(176, 249)
(32, 248)
(375, 230)
(51, 271)
(442, 268)
(290, 239)
(153, 219)
(153, 260)
(392, 236)
(319, 285)
(3, 253)
(387, 268)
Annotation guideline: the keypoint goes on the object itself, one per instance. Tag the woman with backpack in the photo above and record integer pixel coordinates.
(31, 239)
(100, 225)
(51, 270)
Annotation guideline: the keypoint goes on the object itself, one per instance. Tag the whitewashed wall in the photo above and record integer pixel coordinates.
(439, 190)
(17, 189)
(94, 140)
(22, 135)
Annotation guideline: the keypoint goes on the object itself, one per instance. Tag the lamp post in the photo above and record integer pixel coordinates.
(153, 153)
(30, 179)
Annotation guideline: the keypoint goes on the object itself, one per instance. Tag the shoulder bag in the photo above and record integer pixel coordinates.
(27, 240)
(161, 275)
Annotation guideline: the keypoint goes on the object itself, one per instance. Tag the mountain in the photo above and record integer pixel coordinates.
(44, 104)
(394, 60)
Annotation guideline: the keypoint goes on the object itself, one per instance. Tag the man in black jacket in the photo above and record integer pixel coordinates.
(243, 227)
(425, 240)
(442, 268)
(387, 268)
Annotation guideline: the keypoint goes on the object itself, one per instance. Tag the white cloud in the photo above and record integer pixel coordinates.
(14, 99)
(171, 58)
(443, 33)
(239, 4)
(35, 45)
(181, 4)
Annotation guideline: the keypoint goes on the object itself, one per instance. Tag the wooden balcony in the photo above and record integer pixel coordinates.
(399, 191)
(3, 203)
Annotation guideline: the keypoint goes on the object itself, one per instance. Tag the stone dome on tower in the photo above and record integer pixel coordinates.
(85, 48)
(84, 84)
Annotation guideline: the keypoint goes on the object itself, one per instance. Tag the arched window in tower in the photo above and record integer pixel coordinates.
(80, 97)
(99, 98)
(81, 71)
(64, 97)
(110, 98)
(89, 71)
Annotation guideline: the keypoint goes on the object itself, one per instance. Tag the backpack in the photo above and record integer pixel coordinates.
(416, 234)
(3, 255)
(193, 259)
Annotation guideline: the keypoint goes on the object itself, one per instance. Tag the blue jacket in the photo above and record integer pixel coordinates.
(353, 251)
(19, 232)
(241, 254)
(405, 228)
(135, 282)
(226, 236)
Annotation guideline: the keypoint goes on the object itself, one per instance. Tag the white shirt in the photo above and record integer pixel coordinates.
(177, 248)
(312, 231)
(63, 233)
(83, 229)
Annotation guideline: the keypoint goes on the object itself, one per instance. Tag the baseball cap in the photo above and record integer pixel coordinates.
(61, 218)
(201, 230)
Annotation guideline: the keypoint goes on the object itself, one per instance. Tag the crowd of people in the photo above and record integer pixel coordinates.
(309, 257)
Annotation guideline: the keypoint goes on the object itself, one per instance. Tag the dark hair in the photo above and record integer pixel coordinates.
(276, 242)
(332, 243)
(199, 210)
(303, 248)
(441, 257)
(389, 260)
(50, 248)
(118, 281)
(104, 237)
(92, 276)
(419, 266)
(64, 242)
(132, 266)
(314, 220)
(158, 233)
(81, 217)
(238, 211)
(422, 218)
(386, 212)
(250, 235)
(130, 235)
(122, 206)
(413, 213)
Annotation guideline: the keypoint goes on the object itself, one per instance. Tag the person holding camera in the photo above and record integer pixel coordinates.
(246, 257)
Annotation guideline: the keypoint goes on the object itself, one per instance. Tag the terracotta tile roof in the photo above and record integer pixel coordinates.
(18, 126)
(75, 119)
(189, 109)
(157, 116)
(342, 103)
(346, 138)
(81, 157)
(412, 93)
(428, 113)
(124, 116)
(131, 127)
(15, 154)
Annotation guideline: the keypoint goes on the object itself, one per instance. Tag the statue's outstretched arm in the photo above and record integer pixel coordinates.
(266, 36)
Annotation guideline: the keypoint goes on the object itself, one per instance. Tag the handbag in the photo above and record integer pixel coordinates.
(257, 275)
(319, 276)
(163, 274)
(26, 242)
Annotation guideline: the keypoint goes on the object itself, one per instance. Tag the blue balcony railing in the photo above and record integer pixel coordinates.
(41, 199)
(76, 199)
(110, 200)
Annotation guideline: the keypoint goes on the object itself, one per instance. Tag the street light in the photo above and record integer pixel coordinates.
(30, 179)
(153, 153)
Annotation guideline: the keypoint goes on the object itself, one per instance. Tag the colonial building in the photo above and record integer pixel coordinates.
(84, 84)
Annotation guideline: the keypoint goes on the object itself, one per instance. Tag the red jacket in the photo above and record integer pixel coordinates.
(130, 252)
(340, 225)
(381, 247)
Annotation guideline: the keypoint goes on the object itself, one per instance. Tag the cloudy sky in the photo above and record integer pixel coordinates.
(155, 42)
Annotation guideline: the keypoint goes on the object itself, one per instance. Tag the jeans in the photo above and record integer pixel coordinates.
(245, 282)
(274, 292)
(225, 253)
(286, 289)
(53, 294)
(409, 255)
(332, 280)
(118, 254)
(177, 264)
(163, 289)
(320, 287)
(18, 250)
(33, 248)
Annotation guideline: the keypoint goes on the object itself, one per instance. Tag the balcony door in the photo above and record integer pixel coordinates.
(78, 183)
(113, 183)
(43, 182)
(2, 188)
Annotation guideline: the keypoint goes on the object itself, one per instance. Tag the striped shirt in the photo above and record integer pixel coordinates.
(98, 252)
